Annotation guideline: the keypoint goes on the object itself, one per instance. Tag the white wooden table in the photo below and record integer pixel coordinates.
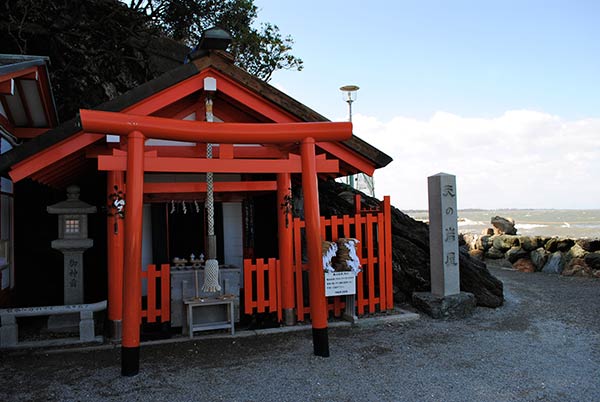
(210, 301)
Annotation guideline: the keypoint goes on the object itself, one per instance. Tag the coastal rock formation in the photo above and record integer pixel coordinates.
(410, 255)
(589, 245)
(504, 225)
(555, 255)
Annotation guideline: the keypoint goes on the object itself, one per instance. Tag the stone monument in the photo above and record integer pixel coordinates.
(72, 241)
(445, 299)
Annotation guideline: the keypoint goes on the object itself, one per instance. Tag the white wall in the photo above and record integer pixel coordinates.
(233, 245)
(146, 242)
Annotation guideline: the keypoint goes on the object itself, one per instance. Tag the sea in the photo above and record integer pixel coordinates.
(573, 223)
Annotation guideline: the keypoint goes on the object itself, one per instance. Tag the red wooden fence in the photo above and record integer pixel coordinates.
(374, 283)
(262, 287)
(158, 283)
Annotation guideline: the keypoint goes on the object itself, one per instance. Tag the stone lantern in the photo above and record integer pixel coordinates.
(72, 241)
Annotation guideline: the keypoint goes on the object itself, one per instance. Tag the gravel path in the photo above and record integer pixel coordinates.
(543, 345)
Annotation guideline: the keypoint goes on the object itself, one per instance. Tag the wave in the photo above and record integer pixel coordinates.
(529, 226)
(468, 222)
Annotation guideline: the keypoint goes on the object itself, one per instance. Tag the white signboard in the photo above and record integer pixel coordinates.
(340, 283)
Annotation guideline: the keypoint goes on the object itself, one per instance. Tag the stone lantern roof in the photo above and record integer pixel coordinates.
(72, 205)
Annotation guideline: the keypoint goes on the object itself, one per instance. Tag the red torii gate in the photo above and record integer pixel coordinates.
(138, 128)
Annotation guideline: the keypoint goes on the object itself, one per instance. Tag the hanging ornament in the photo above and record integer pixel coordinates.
(172, 206)
(116, 207)
(184, 207)
(197, 206)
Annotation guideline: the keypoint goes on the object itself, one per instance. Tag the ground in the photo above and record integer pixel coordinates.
(543, 345)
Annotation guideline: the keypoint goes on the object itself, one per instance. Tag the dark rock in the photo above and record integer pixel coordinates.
(494, 254)
(577, 267)
(575, 252)
(410, 253)
(555, 264)
(453, 306)
(503, 225)
(505, 242)
(515, 253)
(593, 260)
(488, 232)
(524, 265)
(484, 243)
(530, 243)
(589, 245)
(539, 257)
(551, 245)
(559, 244)
(475, 278)
(565, 244)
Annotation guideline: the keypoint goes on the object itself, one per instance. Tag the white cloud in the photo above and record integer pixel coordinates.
(522, 159)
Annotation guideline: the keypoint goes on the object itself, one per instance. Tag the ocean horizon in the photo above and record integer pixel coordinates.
(574, 223)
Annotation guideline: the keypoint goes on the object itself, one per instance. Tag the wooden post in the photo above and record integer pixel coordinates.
(284, 226)
(115, 239)
(318, 302)
(132, 282)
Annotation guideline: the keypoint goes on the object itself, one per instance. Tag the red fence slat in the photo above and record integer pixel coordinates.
(370, 219)
(387, 214)
(260, 286)
(381, 261)
(165, 293)
(151, 276)
(151, 298)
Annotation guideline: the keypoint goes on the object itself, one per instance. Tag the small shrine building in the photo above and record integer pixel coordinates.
(144, 159)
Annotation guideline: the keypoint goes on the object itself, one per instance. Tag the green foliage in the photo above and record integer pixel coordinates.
(260, 51)
(99, 49)
(95, 47)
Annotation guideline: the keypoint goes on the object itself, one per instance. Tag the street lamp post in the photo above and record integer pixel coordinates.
(359, 181)
(349, 96)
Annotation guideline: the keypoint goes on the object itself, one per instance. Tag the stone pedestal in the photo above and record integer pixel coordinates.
(459, 305)
(73, 277)
(350, 311)
(72, 250)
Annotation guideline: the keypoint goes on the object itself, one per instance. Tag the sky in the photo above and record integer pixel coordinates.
(503, 94)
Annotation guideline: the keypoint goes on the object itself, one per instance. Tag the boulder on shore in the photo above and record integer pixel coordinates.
(555, 264)
(410, 253)
(503, 225)
(577, 267)
(593, 260)
(524, 265)
(539, 257)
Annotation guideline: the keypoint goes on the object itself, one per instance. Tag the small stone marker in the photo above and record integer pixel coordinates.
(443, 235)
(445, 299)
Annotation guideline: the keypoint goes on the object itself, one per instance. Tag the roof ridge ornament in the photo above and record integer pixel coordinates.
(211, 39)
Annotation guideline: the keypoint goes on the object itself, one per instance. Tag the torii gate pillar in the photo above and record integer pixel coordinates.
(316, 276)
(132, 281)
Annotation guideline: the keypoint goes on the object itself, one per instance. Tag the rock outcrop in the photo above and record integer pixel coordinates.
(503, 225)
(555, 255)
(410, 255)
